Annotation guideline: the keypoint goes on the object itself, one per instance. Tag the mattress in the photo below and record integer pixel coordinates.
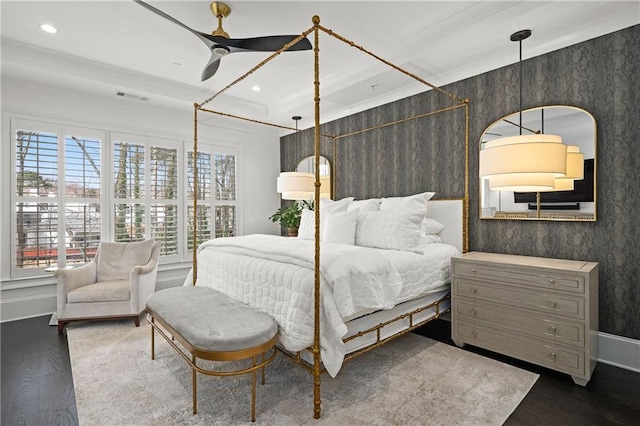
(276, 275)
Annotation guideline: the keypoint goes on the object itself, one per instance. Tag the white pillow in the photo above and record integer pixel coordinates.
(339, 227)
(431, 226)
(307, 227)
(411, 202)
(390, 229)
(368, 205)
(327, 205)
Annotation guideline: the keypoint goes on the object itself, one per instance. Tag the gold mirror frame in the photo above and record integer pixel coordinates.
(577, 127)
(307, 165)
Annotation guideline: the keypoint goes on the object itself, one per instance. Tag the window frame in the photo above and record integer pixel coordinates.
(147, 142)
(213, 149)
(61, 199)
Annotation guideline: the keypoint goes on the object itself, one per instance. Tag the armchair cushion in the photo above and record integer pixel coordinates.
(115, 260)
(104, 291)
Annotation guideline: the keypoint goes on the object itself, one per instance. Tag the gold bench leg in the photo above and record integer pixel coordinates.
(193, 385)
(153, 339)
(263, 369)
(253, 391)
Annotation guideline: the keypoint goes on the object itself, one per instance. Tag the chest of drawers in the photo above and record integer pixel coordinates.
(543, 311)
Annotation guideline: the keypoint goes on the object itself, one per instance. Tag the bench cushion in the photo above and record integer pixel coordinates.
(210, 320)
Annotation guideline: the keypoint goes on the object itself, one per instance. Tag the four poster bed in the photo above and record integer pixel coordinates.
(334, 300)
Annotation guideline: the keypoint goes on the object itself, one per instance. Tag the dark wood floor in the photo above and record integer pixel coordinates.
(612, 396)
(37, 386)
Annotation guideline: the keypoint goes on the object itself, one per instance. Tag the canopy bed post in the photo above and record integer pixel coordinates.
(465, 206)
(195, 191)
(316, 301)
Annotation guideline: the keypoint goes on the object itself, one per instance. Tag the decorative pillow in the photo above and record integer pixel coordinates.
(368, 205)
(115, 260)
(307, 227)
(327, 205)
(431, 226)
(390, 229)
(411, 202)
(339, 227)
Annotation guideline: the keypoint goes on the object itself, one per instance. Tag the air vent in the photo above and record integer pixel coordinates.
(132, 96)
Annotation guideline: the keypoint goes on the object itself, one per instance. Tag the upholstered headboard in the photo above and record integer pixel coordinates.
(451, 214)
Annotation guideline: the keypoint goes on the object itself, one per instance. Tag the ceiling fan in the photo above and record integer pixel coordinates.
(221, 45)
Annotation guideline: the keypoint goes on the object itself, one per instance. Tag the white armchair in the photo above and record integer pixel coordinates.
(114, 285)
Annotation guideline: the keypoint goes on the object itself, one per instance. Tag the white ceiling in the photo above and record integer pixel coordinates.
(108, 46)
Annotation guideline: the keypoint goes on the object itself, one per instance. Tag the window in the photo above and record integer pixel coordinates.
(57, 195)
(82, 201)
(164, 198)
(74, 187)
(36, 188)
(216, 194)
(146, 195)
(128, 190)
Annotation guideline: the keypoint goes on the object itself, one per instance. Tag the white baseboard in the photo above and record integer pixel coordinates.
(18, 308)
(619, 351)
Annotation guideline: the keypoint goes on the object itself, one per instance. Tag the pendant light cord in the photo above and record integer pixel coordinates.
(520, 87)
(519, 36)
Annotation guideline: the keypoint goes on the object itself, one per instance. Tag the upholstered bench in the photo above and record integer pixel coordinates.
(212, 326)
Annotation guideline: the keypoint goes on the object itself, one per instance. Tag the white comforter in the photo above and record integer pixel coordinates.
(276, 275)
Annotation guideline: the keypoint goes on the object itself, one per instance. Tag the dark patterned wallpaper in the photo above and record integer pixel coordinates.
(600, 76)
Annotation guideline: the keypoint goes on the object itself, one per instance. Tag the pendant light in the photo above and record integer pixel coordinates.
(296, 185)
(525, 163)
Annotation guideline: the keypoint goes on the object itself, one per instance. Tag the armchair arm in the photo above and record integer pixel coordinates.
(144, 269)
(70, 279)
(143, 279)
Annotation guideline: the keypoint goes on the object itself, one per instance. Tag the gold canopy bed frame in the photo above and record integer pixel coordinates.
(315, 368)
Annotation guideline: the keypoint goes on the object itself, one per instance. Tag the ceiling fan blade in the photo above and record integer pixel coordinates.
(212, 66)
(265, 44)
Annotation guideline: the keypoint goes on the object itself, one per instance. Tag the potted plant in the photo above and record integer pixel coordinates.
(289, 216)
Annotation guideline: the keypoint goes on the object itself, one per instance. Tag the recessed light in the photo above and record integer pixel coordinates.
(256, 88)
(48, 28)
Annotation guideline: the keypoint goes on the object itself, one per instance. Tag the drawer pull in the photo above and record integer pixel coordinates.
(553, 356)
(474, 289)
(473, 312)
(553, 330)
(473, 270)
(551, 280)
(553, 304)
(474, 334)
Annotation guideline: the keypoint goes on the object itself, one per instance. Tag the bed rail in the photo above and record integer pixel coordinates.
(297, 358)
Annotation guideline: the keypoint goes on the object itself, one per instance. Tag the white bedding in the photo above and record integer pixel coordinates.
(275, 274)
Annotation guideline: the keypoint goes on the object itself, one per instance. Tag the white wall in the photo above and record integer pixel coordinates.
(260, 165)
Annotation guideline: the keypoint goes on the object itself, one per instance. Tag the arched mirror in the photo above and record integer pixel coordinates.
(577, 202)
(307, 165)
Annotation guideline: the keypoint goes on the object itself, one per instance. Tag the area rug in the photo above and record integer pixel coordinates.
(409, 381)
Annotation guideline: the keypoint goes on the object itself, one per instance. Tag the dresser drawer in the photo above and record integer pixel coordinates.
(538, 277)
(540, 301)
(528, 349)
(564, 332)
